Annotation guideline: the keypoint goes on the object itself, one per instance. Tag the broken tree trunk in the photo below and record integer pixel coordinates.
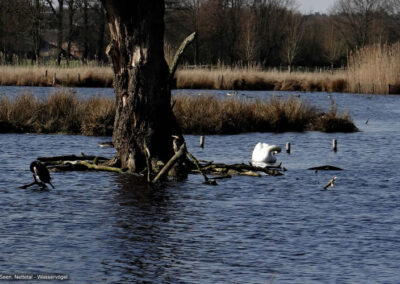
(179, 52)
(144, 121)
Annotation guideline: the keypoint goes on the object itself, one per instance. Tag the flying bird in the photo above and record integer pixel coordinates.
(40, 173)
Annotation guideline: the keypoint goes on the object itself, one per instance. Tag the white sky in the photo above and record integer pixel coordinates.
(322, 6)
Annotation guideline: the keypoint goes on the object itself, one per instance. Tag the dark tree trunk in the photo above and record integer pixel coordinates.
(60, 30)
(86, 32)
(144, 121)
(71, 12)
(59, 18)
(101, 35)
(36, 29)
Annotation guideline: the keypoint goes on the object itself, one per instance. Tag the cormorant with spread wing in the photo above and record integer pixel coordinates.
(40, 173)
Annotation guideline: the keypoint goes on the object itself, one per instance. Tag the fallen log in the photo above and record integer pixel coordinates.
(242, 169)
(206, 179)
(170, 164)
(70, 158)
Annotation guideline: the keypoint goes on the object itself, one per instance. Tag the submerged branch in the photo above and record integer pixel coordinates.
(170, 164)
(196, 162)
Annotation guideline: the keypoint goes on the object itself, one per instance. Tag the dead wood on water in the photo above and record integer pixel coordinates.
(70, 158)
(217, 170)
(41, 184)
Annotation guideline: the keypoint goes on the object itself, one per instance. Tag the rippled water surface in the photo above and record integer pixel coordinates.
(107, 228)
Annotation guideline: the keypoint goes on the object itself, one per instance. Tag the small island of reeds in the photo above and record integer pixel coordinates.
(64, 112)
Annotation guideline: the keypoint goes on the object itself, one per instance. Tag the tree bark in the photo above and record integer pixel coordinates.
(60, 30)
(71, 12)
(59, 18)
(144, 122)
(86, 32)
(36, 22)
(101, 34)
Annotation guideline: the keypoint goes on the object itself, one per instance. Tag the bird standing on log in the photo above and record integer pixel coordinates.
(40, 173)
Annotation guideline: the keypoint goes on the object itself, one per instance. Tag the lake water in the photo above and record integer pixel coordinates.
(107, 228)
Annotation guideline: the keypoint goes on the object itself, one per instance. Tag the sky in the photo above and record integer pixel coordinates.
(321, 6)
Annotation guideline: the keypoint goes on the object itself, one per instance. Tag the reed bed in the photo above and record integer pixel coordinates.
(209, 115)
(242, 78)
(236, 78)
(63, 112)
(87, 76)
(373, 68)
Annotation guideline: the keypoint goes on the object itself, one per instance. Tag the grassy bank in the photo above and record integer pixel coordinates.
(87, 76)
(201, 78)
(255, 79)
(63, 112)
(371, 69)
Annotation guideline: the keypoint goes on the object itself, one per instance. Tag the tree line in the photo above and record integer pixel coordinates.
(232, 32)
(52, 29)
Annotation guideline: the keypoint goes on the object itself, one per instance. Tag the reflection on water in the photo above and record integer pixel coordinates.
(108, 228)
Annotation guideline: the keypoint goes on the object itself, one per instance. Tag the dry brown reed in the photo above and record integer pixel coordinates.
(64, 112)
(372, 68)
(88, 76)
(222, 77)
(243, 78)
(61, 112)
(209, 115)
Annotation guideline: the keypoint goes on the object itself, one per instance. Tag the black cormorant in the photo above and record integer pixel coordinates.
(40, 173)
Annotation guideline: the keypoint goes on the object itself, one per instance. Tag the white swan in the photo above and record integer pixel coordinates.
(265, 153)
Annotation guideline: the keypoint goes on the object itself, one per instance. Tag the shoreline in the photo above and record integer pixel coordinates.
(220, 78)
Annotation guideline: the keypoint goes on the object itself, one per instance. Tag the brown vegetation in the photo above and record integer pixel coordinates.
(235, 78)
(63, 112)
(373, 68)
(229, 116)
(88, 76)
(253, 78)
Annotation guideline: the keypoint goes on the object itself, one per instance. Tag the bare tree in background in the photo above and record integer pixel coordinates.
(193, 6)
(332, 43)
(356, 19)
(293, 36)
(58, 13)
(72, 5)
(98, 8)
(271, 16)
(36, 8)
(248, 37)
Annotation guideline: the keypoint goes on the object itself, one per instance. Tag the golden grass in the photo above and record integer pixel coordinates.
(64, 112)
(372, 68)
(44, 76)
(251, 78)
(240, 78)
